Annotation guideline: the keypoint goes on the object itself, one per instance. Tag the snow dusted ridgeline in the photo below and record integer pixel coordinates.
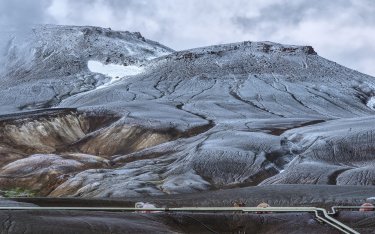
(49, 63)
(224, 116)
(252, 93)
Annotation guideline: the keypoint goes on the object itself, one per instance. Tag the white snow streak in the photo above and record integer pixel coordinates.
(114, 71)
(371, 103)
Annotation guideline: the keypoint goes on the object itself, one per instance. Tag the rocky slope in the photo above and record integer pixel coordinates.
(91, 112)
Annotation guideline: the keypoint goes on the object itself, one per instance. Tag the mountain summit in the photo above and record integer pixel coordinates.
(92, 112)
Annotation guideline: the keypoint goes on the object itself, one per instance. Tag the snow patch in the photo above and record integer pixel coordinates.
(371, 103)
(114, 71)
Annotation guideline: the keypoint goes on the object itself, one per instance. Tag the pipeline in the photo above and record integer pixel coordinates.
(320, 213)
(335, 209)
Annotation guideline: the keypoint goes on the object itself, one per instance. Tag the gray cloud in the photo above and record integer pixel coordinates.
(20, 13)
(340, 30)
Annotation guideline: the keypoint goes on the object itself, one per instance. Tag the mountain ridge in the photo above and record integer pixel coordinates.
(219, 117)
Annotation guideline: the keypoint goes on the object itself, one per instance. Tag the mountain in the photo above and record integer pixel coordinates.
(92, 112)
(49, 63)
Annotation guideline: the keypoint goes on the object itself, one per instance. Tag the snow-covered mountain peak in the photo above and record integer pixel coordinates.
(66, 50)
(50, 62)
(201, 119)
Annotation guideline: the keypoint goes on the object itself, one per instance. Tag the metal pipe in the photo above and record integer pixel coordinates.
(334, 209)
(325, 218)
(344, 228)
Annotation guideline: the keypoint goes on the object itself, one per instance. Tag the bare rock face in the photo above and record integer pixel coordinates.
(43, 172)
(74, 138)
(150, 121)
(43, 134)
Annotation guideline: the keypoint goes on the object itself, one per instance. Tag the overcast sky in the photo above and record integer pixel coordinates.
(340, 30)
